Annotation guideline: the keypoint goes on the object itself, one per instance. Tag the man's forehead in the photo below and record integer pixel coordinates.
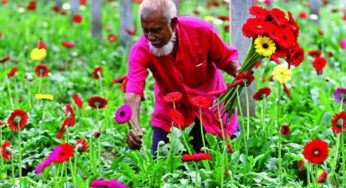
(154, 18)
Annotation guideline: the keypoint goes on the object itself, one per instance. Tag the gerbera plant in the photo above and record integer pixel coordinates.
(16, 122)
(273, 36)
(261, 95)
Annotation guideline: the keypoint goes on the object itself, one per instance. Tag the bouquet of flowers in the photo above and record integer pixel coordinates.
(273, 36)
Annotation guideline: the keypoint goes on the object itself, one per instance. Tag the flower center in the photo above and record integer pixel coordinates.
(17, 120)
(263, 95)
(62, 153)
(42, 70)
(97, 103)
(245, 80)
(80, 147)
(340, 123)
(122, 113)
(285, 38)
(316, 152)
(265, 45)
(343, 96)
(8, 150)
(259, 26)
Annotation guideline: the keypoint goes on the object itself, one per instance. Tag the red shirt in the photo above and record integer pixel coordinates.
(195, 71)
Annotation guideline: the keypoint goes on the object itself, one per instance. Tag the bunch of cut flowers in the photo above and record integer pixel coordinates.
(273, 37)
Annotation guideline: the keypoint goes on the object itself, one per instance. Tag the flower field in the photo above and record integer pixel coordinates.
(64, 122)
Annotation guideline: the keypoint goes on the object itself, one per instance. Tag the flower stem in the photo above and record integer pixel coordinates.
(171, 149)
(29, 96)
(9, 91)
(308, 174)
(202, 134)
(98, 139)
(247, 113)
(262, 117)
(187, 146)
(20, 157)
(12, 169)
(280, 169)
(66, 182)
(277, 106)
(243, 130)
(223, 165)
(144, 151)
(72, 173)
(101, 85)
(221, 124)
(2, 160)
(343, 158)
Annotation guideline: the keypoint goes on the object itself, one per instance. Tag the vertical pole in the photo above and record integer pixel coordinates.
(126, 22)
(314, 6)
(96, 18)
(239, 13)
(74, 8)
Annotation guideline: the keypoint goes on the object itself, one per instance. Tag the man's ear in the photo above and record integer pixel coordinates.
(174, 22)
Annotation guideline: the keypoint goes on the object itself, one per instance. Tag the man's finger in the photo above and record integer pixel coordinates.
(132, 143)
(135, 138)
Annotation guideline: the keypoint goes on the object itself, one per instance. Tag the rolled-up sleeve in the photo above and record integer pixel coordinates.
(138, 64)
(220, 52)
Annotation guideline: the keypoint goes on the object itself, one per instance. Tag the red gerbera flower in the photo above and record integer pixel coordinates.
(77, 18)
(65, 153)
(316, 151)
(83, 145)
(123, 85)
(120, 79)
(201, 102)
(77, 100)
(246, 77)
(173, 97)
(339, 122)
(56, 9)
(1, 123)
(320, 31)
(97, 73)
(297, 56)
(97, 102)
(278, 16)
(5, 59)
(230, 149)
(216, 93)
(293, 25)
(177, 118)
(67, 44)
(112, 38)
(69, 110)
(41, 45)
(97, 134)
(330, 54)
(259, 12)
(226, 28)
(12, 72)
(196, 12)
(224, 18)
(319, 63)
(4, 1)
(67, 122)
(254, 27)
(285, 130)
(82, 2)
(6, 154)
(322, 177)
(196, 156)
(300, 165)
(17, 118)
(41, 70)
(281, 52)
(287, 38)
(303, 15)
(261, 93)
(31, 6)
(314, 53)
(130, 32)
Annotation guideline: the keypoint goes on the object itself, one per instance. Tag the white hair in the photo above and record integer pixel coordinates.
(165, 7)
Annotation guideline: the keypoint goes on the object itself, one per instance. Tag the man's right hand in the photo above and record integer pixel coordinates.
(133, 141)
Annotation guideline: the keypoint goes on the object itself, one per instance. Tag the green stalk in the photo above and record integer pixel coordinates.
(98, 139)
(75, 162)
(20, 157)
(133, 127)
(187, 146)
(308, 174)
(72, 173)
(243, 128)
(343, 158)
(262, 118)
(66, 182)
(39, 86)
(221, 124)
(277, 107)
(336, 155)
(2, 160)
(9, 91)
(12, 169)
(100, 83)
(202, 134)
(280, 170)
(16, 94)
(29, 96)
(223, 165)
(171, 149)
(247, 113)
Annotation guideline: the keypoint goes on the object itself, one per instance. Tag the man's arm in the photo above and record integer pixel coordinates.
(233, 68)
(134, 101)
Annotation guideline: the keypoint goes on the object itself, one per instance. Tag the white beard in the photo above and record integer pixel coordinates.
(164, 50)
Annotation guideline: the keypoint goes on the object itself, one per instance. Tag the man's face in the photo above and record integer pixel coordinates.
(156, 31)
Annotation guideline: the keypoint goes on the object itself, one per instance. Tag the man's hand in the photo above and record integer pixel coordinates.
(233, 68)
(133, 141)
(134, 101)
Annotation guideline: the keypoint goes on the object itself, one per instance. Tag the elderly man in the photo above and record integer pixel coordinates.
(184, 54)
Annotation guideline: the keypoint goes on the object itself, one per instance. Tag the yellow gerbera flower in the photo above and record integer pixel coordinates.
(282, 74)
(38, 54)
(264, 46)
(44, 97)
(209, 18)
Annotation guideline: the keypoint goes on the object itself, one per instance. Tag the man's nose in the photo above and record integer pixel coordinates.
(151, 37)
